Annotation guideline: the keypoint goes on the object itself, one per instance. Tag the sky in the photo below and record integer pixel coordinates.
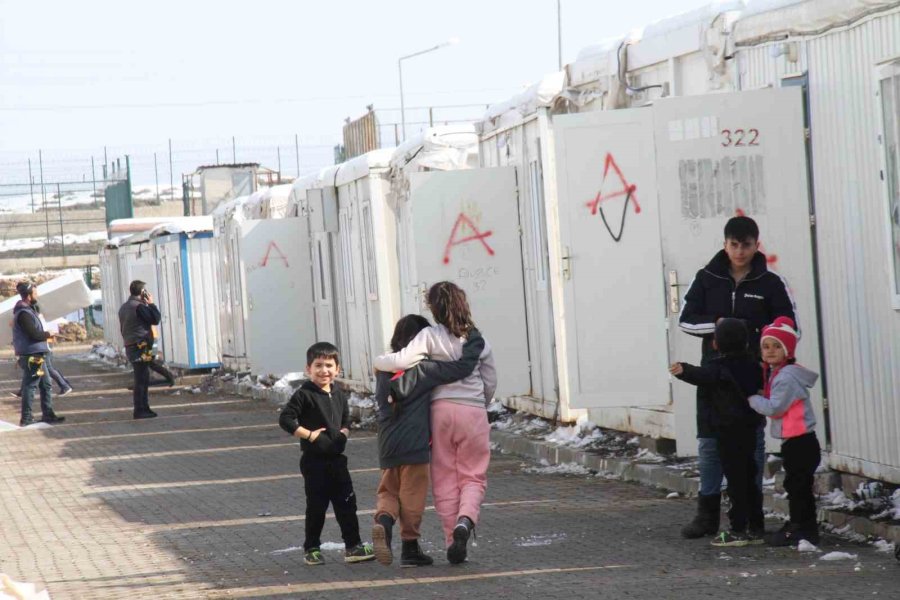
(78, 76)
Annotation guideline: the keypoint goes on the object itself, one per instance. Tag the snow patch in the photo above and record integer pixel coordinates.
(805, 546)
(883, 546)
(20, 590)
(673, 495)
(560, 469)
(539, 540)
(840, 556)
(367, 402)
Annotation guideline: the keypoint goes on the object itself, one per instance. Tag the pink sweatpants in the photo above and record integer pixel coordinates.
(460, 455)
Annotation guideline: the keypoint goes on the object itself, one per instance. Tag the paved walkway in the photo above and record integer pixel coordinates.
(206, 502)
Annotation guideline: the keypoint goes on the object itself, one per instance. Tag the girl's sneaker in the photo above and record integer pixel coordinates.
(359, 553)
(733, 539)
(313, 557)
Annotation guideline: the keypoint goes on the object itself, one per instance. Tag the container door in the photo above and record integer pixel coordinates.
(323, 286)
(718, 156)
(466, 230)
(613, 325)
(279, 301)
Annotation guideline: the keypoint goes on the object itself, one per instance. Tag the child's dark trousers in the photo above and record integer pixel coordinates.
(801, 457)
(737, 452)
(327, 479)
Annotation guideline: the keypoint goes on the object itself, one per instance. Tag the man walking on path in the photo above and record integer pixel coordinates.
(735, 284)
(137, 316)
(31, 344)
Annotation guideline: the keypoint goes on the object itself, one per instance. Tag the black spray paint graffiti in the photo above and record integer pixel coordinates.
(628, 190)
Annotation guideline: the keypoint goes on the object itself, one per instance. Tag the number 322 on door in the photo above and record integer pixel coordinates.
(740, 137)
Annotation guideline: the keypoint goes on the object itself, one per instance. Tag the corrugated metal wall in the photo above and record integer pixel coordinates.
(204, 300)
(861, 330)
(113, 296)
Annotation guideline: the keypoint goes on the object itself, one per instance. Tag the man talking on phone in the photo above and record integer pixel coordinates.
(136, 318)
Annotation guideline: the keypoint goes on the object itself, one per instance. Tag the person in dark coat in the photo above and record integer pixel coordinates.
(736, 283)
(137, 316)
(32, 345)
(404, 433)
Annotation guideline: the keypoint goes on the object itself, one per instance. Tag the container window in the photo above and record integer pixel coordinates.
(369, 249)
(346, 255)
(538, 228)
(889, 88)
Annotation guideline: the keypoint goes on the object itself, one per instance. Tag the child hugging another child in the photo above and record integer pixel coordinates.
(726, 382)
(785, 399)
(404, 412)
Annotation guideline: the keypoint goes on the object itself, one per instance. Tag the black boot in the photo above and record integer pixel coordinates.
(457, 551)
(412, 556)
(381, 539)
(707, 520)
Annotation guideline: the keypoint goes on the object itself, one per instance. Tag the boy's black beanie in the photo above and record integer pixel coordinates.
(731, 336)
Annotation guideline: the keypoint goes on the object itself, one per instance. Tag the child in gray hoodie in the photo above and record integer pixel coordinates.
(785, 399)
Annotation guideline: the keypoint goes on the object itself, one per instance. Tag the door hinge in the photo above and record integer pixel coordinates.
(825, 403)
(812, 220)
(807, 134)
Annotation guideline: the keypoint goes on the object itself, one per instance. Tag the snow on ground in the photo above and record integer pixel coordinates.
(805, 546)
(840, 556)
(9, 245)
(288, 381)
(561, 469)
(361, 401)
(104, 353)
(539, 540)
(883, 546)
(6, 426)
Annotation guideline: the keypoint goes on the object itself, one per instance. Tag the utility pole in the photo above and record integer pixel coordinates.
(559, 31)
(297, 152)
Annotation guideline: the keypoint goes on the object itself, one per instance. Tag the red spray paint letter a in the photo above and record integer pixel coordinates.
(476, 235)
(279, 256)
(628, 189)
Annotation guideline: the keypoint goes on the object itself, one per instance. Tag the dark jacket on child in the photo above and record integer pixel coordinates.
(724, 384)
(314, 408)
(404, 425)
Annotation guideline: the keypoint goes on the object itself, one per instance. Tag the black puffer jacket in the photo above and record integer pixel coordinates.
(314, 408)
(760, 297)
(404, 427)
(723, 386)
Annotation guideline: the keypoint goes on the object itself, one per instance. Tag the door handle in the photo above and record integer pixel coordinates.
(674, 300)
(566, 263)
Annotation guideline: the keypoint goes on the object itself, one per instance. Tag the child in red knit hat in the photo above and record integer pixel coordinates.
(786, 400)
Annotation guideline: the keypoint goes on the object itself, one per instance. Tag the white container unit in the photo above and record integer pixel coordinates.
(847, 56)
(464, 224)
(267, 318)
(189, 297)
(624, 234)
(114, 293)
(232, 335)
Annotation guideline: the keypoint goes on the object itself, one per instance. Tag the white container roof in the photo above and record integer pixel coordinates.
(443, 148)
(358, 167)
(772, 20)
(543, 93)
(187, 225)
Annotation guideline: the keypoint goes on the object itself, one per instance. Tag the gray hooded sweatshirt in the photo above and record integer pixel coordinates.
(788, 403)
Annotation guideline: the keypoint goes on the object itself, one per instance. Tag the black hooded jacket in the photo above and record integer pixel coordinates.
(757, 300)
(314, 408)
(723, 386)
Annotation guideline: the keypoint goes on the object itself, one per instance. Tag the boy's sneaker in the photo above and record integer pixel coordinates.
(412, 555)
(756, 536)
(313, 557)
(65, 392)
(381, 539)
(456, 553)
(791, 534)
(359, 553)
(732, 539)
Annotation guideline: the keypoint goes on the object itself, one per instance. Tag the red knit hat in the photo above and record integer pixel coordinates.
(784, 331)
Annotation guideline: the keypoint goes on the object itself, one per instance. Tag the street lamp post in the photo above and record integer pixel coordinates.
(452, 41)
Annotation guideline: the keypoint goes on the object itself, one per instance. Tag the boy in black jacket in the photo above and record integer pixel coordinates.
(318, 414)
(726, 382)
(404, 431)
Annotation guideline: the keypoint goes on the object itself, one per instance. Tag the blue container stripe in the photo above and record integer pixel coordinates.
(188, 304)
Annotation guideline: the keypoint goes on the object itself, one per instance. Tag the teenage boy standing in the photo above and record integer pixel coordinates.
(735, 284)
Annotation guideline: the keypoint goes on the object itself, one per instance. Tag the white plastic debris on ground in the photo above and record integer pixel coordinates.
(646, 456)
(672, 495)
(6, 426)
(539, 540)
(103, 353)
(805, 546)
(360, 401)
(18, 590)
(840, 556)
(883, 546)
(892, 510)
(287, 381)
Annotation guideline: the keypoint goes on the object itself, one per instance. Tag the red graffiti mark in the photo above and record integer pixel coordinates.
(477, 235)
(771, 259)
(280, 255)
(627, 190)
